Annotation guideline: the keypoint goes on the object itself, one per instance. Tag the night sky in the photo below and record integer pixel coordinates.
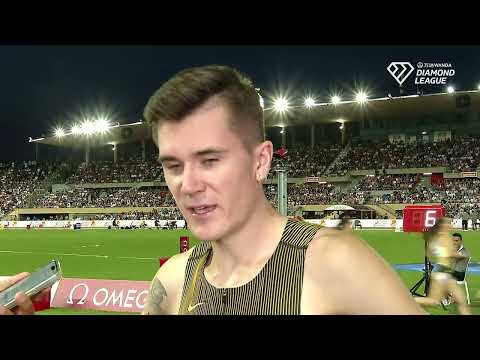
(45, 86)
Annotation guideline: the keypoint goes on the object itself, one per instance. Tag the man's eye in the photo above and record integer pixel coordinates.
(210, 161)
(172, 166)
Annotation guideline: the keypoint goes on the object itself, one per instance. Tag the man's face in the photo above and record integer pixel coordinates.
(210, 173)
(457, 242)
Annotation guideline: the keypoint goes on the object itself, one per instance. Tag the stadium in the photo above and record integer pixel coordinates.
(94, 197)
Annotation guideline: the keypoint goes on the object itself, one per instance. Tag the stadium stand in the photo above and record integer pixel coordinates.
(389, 182)
(116, 197)
(303, 161)
(20, 181)
(457, 154)
(133, 170)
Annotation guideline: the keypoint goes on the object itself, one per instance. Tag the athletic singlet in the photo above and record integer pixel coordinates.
(276, 290)
(441, 256)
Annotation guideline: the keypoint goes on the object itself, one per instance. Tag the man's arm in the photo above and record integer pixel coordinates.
(156, 299)
(462, 254)
(353, 278)
(166, 288)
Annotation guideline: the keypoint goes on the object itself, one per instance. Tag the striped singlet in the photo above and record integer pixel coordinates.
(276, 290)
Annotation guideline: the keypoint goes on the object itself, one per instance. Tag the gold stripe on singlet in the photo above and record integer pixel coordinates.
(276, 290)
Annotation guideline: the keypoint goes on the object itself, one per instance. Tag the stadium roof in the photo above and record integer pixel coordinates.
(388, 108)
(117, 134)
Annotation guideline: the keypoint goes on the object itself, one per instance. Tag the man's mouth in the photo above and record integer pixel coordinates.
(202, 210)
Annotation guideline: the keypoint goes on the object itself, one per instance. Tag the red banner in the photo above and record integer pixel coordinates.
(437, 179)
(106, 295)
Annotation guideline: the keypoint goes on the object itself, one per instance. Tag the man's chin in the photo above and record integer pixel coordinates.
(203, 233)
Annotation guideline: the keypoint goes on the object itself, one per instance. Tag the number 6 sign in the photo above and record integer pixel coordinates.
(418, 218)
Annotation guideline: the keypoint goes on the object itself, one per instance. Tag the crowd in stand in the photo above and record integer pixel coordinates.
(54, 217)
(389, 182)
(271, 193)
(457, 154)
(311, 194)
(304, 161)
(459, 195)
(355, 197)
(451, 191)
(18, 181)
(415, 196)
(156, 214)
(465, 190)
(468, 211)
(461, 190)
(134, 170)
(111, 197)
(304, 194)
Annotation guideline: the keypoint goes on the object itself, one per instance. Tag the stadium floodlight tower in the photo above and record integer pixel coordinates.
(280, 106)
(335, 99)
(281, 174)
(361, 97)
(309, 102)
(282, 188)
(59, 132)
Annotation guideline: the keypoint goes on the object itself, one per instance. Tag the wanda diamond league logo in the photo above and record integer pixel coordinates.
(400, 70)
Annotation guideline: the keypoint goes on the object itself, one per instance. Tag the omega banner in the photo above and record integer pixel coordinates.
(105, 295)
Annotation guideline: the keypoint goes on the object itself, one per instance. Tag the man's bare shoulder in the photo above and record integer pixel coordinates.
(331, 247)
(167, 285)
(175, 263)
(357, 280)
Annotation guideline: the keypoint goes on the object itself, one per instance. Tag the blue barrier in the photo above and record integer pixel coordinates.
(472, 268)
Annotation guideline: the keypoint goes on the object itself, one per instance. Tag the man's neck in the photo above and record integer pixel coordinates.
(253, 244)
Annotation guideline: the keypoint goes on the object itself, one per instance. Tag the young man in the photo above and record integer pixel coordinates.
(208, 125)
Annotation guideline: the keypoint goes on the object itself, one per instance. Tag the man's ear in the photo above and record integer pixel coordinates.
(263, 155)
